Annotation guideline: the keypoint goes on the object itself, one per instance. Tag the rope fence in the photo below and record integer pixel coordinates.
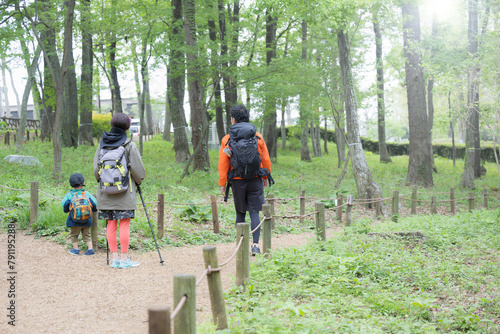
(183, 316)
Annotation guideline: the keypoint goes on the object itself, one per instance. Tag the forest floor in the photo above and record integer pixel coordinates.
(61, 293)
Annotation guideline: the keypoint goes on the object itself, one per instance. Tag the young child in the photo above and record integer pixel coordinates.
(80, 205)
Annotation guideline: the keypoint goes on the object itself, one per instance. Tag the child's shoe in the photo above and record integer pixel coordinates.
(115, 264)
(89, 252)
(74, 251)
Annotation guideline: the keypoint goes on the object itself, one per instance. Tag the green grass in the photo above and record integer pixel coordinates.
(368, 280)
(292, 176)
(365, 280)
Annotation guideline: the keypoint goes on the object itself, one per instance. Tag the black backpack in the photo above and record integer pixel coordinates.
(245, 156)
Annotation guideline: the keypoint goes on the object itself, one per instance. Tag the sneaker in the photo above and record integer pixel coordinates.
(74, 251)
(89, 252)
(115, 264)
(125, 264)
(133, 263)
(255, 250)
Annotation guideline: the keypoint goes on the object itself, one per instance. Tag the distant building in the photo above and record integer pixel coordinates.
(127, 105)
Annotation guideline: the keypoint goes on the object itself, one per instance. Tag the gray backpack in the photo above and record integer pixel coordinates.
(113, 170)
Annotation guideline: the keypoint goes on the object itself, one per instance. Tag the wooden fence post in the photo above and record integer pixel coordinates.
(215, 288)
(395, 205)
(471, 201)
(348, 211)
(414, 201)
(159, 320)
(7, 138)
(243, 255)
(452, 200)
(185, 320)
(485, 194)
(433, 205)
(94, 228)
(33, 202)
(378, 211)
(161, 216)
(302, 206)
(27, 135)
(320, 221)
(270, 200)
(215, 213)
(266, 229)
(340, 202)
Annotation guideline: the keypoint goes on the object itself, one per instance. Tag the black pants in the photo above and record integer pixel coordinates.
(248, 196)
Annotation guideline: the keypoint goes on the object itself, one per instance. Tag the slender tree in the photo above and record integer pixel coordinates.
(199, 119)
(366, 186)
(176, 79)
(419, 167)
(382, 145)
(86, 78)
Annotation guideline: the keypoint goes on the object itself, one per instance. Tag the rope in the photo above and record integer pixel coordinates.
(14, 189)
(178, 307)
(255, 229)
(232, 256)
(49, 195)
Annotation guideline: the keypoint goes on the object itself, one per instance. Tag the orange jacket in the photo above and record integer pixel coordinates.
(224, 162)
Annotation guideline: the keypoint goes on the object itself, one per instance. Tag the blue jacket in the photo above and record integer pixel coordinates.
(66, 202)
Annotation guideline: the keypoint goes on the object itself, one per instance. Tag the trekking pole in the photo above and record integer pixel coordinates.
(107, 246)
(152, 232)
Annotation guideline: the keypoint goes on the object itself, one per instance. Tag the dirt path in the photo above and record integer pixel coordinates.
(60, 293)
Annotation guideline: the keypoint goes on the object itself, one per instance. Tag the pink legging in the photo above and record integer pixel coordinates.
(124, 235)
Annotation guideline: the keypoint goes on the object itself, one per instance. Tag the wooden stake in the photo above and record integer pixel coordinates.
(185, 320)
(215, 288)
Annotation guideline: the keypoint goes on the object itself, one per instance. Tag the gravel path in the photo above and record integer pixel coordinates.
(61, 293)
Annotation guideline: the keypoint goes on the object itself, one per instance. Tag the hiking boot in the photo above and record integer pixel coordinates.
(115, 264)
(89, 252)
(74, 251)
(255, 250)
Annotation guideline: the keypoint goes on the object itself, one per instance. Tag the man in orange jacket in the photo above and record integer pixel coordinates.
(247, 183)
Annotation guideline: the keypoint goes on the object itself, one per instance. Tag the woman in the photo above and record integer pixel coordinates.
(119, 206)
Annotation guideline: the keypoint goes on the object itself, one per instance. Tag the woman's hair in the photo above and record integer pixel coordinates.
(240, 113)
(120, 120)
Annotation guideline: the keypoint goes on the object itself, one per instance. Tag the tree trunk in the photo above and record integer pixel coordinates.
(224, 62)
(198, 118)
(419, 167)
(86, 77)
(58, 77)
(24, 102)
(452, 131)
(430, 96)
(232, 93)
(304, 138)
(177, 78)
(168, 113)
(270, 133)
(283, 124)
(318, 138)
(472, 131)
(366, 186)
(313, 138)
(325, 136)
(219, 110)
(147, 101)
(340, 143)
(5, 91)
(70, 120)
(382, 145)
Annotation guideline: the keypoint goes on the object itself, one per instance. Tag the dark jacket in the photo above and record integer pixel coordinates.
(66, 202)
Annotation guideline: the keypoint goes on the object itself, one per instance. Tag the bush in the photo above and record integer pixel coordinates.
(100, 123)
